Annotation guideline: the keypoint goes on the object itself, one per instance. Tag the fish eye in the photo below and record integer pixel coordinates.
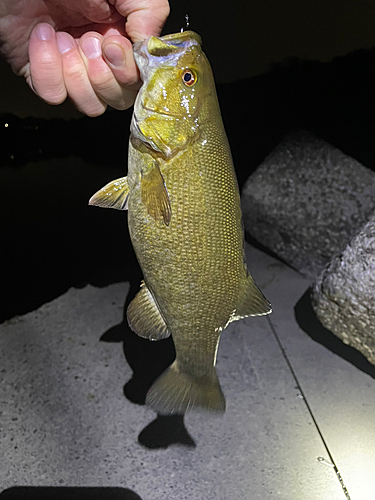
(189, 77)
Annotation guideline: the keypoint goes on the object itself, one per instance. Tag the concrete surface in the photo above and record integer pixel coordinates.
(66, 425)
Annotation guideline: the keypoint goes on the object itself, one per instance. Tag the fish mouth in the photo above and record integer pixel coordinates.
(182, 37)
(156, 111)
(149, 109)
(180, 40)
(155, 142)
(148, 55)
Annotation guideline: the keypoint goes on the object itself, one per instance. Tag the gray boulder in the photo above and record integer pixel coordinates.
(306, 201)
(343, 295)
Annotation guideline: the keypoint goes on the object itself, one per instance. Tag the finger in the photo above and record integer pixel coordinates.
(97, 11)
(77, 82)
(46, 73)
(118, 54)
(100, 74)
(117, 28)
(144, 20)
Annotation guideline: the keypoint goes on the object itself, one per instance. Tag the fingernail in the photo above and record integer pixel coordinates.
(114, 53)
(44, 31)
(64, 42)
(91, 47)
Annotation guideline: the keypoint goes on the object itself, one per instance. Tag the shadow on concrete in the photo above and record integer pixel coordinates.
(164, 431)
(64, 493)
(309, 323)
(148, 360)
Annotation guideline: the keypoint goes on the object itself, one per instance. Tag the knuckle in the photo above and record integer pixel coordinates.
(102, 82)
(74, 74)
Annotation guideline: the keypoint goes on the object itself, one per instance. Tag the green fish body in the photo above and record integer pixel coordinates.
(184, 220)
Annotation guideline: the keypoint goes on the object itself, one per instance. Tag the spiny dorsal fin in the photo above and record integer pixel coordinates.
(252, 302)
(115, 194)
(155, 195)
(144, 317)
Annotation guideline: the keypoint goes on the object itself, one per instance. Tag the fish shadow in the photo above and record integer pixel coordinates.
(309, 323)
(148, 360)
(165, 431)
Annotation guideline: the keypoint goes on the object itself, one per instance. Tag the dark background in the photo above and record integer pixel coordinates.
(279, 65)
(243, 39)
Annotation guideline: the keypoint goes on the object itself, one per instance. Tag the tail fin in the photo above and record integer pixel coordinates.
(176, 392)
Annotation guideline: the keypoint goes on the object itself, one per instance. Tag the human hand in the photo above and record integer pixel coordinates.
(79, 48)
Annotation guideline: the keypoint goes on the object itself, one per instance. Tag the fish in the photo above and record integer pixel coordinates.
(185, 221)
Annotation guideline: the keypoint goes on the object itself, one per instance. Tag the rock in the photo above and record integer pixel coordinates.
(343, 295)
(306, 201)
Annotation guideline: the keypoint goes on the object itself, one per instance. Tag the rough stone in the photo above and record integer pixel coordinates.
(306, 201)
(343, 294)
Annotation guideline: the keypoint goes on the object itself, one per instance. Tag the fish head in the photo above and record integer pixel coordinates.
(171, 105)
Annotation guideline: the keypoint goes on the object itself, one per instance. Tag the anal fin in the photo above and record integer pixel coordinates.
(144, 317)
(115, 194)
(252, 302)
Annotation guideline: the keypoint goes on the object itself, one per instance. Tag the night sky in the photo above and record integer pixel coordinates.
(242, 38)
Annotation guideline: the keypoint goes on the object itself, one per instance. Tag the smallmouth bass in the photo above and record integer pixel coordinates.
(184, 220)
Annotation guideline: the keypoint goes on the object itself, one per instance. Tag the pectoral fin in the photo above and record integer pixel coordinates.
(144, 317)
(155, 195)
(115, 194)
(252, 302)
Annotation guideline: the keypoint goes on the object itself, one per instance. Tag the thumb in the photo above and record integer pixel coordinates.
(144, 18)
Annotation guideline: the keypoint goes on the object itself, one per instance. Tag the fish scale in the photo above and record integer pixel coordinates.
(171, 279)
(184, 220)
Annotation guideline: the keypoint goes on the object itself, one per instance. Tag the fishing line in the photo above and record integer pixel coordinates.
(333, 463)
(187, 23)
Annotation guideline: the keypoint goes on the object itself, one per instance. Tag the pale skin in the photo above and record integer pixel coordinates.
(80, 49)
